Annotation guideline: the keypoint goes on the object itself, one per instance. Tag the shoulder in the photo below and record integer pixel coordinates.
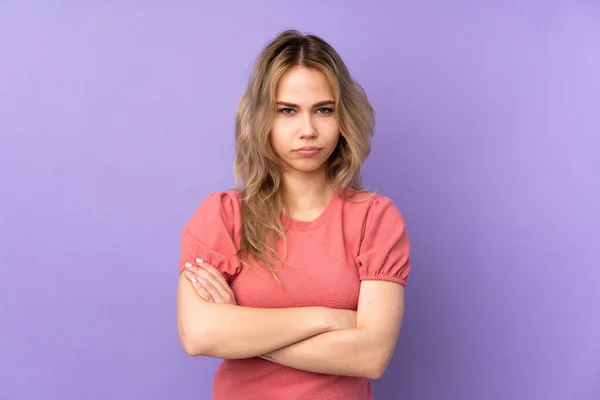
(371, 205)
(220, 209)
(213, 232)
(226, 201)
(224, 198)
(384, 247)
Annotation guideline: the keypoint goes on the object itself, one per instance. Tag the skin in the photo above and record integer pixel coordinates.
(363, 346)
(305, 117)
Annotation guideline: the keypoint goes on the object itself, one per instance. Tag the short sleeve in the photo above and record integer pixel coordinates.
(212, 232)
(384, 250)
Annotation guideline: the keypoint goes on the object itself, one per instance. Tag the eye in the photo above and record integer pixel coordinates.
(324, 110)
(286, 110)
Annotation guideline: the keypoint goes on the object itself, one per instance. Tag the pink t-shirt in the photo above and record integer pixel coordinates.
(326, 260)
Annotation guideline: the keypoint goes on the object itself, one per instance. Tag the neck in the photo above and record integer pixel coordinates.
(306, 191)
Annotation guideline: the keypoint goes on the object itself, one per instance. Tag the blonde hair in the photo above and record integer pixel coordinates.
(257, 169)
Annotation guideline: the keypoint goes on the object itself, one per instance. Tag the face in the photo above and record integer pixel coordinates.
(305, 128)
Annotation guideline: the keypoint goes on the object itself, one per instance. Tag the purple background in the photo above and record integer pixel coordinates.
(116, 119)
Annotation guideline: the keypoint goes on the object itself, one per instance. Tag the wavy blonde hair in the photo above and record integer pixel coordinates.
(257, 168)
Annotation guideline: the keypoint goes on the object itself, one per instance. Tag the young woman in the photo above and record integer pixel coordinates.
(296, 279)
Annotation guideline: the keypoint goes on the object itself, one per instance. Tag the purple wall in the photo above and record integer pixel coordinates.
(116, 119)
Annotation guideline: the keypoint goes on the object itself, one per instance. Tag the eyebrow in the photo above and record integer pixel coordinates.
(319, 104)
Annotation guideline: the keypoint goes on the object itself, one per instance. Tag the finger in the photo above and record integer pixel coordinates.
(217, 279)
(192, 268)
(199, 288)
(214, 287)
(211, 288)
(209, 283)
(217, 274)
(213, 271)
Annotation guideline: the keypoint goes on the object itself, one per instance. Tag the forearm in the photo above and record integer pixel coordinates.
(350, 352)
(230, 331)
(239, 332)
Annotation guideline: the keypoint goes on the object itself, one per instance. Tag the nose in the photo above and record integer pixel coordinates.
(307, 130)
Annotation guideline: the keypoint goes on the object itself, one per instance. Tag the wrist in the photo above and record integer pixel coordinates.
(333, 320)
(326, 319)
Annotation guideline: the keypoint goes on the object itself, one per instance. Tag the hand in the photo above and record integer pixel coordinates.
(209, 283)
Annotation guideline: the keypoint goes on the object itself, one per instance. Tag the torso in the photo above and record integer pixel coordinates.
(320, 271)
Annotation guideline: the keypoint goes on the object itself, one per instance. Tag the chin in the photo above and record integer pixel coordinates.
(308, 167)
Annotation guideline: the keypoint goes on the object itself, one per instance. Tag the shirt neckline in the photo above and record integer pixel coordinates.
(325, 216)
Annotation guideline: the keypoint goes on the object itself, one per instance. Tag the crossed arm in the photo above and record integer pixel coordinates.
(315, 339)
(361, 351)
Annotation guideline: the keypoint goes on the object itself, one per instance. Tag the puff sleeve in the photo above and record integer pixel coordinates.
(212, 234)
(384, 250)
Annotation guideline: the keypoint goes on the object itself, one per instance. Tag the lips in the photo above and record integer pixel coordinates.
(308, 151)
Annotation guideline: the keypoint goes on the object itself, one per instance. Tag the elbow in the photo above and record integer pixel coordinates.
(194, 342)
(375, 371)
(191, 347)
(378, 363)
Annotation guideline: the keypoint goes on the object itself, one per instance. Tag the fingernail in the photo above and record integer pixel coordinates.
(193, 280)
(188, 265)
(199, 260)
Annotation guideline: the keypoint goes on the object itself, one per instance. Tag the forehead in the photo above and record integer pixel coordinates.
(303, 85)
